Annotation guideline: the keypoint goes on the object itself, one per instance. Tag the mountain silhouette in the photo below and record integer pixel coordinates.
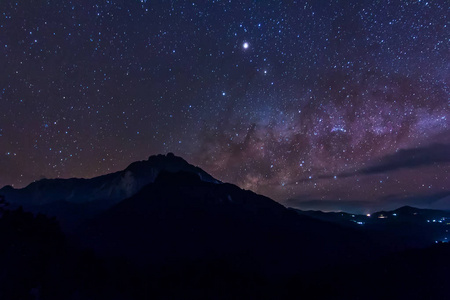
(179, 217)
(72, 200)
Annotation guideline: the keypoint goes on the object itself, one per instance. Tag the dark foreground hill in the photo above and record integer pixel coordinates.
(37, 262)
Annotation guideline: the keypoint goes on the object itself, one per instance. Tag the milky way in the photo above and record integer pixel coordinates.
(293, 99)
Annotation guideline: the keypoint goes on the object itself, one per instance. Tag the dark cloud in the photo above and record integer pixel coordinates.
(428, 199)
(411, 158)
(440, 200)
(402, 159)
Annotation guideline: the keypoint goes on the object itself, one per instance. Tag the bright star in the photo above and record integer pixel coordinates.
(245, 45)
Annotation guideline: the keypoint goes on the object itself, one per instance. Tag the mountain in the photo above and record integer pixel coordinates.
(72, 200)
(114, 187)
(180, 218)
(162, 228)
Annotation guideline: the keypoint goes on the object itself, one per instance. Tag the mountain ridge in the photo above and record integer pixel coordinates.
(113, 186)
(76, 199)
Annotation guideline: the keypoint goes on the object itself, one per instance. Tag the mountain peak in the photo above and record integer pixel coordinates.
(112, 187)
(167, 158)
(170, 163)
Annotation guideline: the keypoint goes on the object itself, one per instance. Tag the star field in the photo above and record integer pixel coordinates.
(292, 99)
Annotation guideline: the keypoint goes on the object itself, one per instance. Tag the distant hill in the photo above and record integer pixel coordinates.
(402, 228)
(402, 214)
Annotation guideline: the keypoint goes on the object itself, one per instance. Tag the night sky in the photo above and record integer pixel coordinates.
(338, 103)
